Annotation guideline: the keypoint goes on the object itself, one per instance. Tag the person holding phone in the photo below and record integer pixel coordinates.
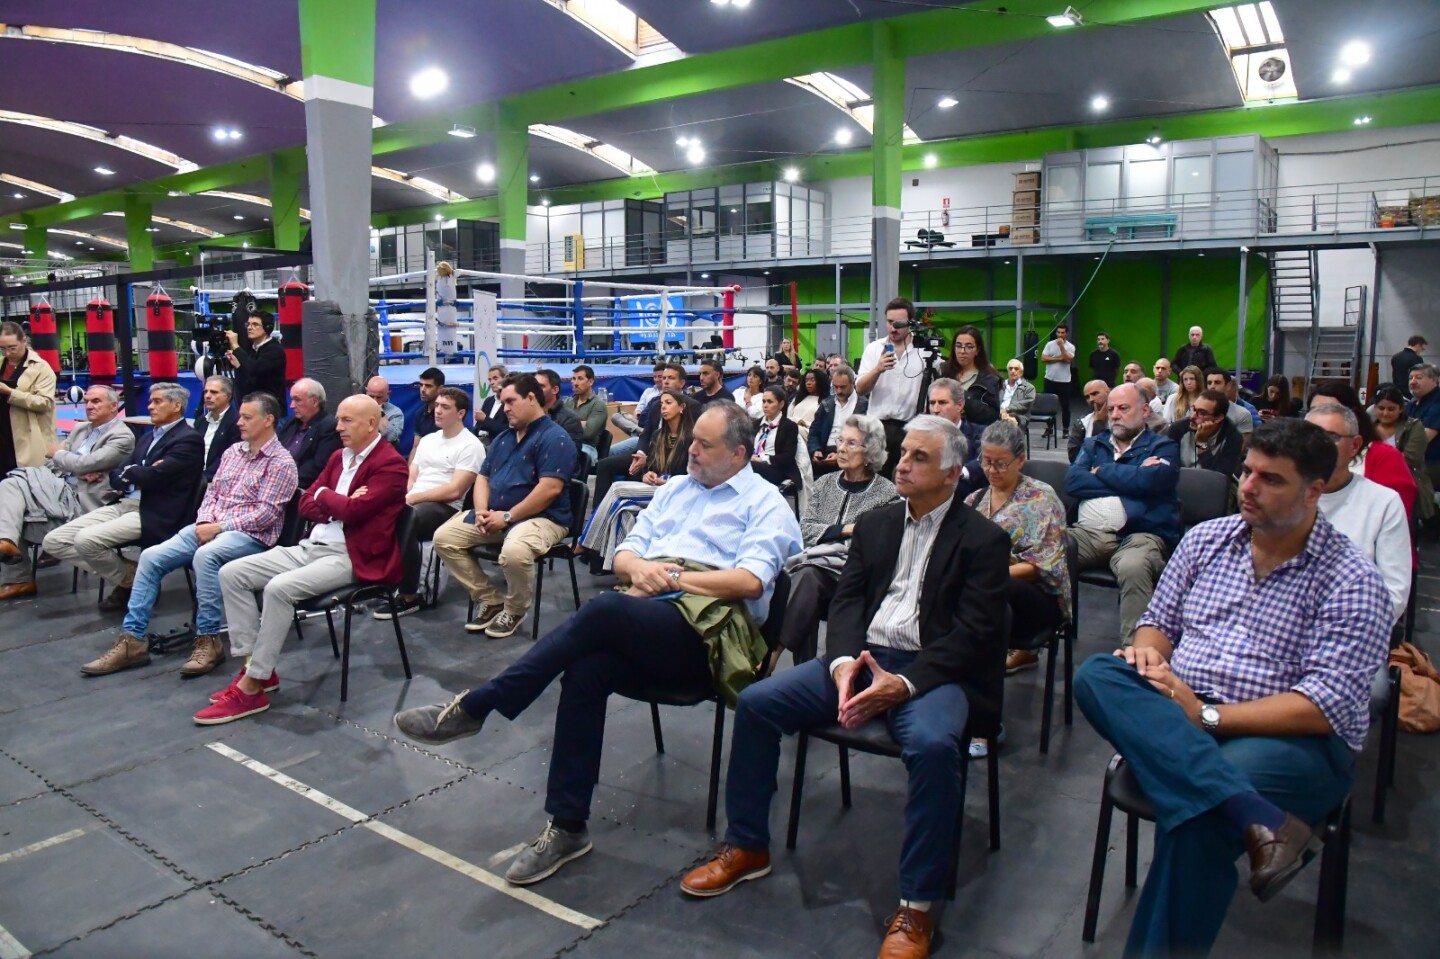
(891, 373)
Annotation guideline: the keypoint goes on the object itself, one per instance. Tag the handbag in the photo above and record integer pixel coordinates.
(1419, 689)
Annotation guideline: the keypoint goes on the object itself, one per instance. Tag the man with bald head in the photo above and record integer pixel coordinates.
(1129, 515)
(378, 389)
(354, 504)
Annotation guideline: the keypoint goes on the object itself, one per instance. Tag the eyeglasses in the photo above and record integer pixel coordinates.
(965, 347)
(12, 348)
(1199, 414)
(851, 445)
(1339, 437)
(991, 466)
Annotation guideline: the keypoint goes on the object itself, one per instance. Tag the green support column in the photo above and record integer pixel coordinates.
(36, 241)
(512, 146)
(885, 178)
(137, 235)
(285, 172)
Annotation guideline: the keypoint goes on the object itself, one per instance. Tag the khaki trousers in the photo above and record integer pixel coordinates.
(91, 540)
(1137, 562)
(523, 543)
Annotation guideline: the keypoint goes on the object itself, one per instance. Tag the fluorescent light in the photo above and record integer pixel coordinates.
(237, 217)
(463, 132)
(682, 141)
(544, 201)
(226, 133)
(439, 217)
(947, 102)
(791, 174)
(534, 178)
(485, 173)
(1356, 53)
(246, 244)
(696, 154)
(930, 161)
(104, 171)
(1099, 103)
(740, 4)
(1341, 75)
(704, 276)
(1362, 121)
(1070, 18)
(843, 136)
(174, 193)
(17, 226)
(428, 83)
(18, 196)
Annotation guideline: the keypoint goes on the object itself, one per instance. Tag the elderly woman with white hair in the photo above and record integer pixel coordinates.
(836, 500)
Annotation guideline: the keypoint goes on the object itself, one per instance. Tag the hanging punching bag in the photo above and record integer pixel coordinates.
(1032, 351)
(43, 335)
(292, 299)
(160, 322)
(100, 341)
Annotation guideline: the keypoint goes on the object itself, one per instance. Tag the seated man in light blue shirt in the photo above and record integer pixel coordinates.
(721, 515)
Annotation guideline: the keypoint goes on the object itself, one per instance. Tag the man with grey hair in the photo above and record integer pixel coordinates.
(151, 495)
(378, 389)
(216, 421)
(309, 435)
(830, 417)
(1196, 352)
(1129, 517)
(915, 640)
(34, 503)
(947, 400)
(1155, 415)
(711, 545)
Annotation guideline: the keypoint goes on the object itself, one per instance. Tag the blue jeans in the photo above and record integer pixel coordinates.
(930, 728)
(625, 447)
(1186, 773)
(181, 550)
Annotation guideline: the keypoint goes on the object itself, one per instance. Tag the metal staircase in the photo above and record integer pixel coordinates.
(1334, 351)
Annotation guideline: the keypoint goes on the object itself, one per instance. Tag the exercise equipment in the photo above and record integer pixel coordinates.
(160, 326)
(292, 296)
(100, 340)
(44, 336)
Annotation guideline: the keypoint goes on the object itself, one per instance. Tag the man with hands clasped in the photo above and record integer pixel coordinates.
(916, 641)
(1245, 697)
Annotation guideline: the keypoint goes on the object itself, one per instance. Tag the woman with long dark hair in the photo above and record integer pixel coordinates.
(969, 364)
(1407, 435)
(1377, 461)
(1274, 400)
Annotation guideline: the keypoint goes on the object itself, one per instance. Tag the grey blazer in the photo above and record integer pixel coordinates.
(109, 451)
(1021, 402)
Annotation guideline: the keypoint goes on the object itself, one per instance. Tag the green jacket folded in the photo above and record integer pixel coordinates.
(733, 643)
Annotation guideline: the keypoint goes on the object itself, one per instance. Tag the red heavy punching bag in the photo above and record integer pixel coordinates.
(292, 299)
(160, 322)
(43, 335)
(100, 341)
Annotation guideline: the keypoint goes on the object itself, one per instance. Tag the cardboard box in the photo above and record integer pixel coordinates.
(1025, 198)
(1025, 216)
(1028, 181)
(1025, 236)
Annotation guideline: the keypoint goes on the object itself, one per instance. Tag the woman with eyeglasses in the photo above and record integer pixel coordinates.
(1208, 439)
(27, 402)
(776, 441)
(970, 365)
(1031, 513)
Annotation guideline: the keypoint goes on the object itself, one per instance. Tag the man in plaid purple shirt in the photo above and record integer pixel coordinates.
(242, 513)
(1246, 694)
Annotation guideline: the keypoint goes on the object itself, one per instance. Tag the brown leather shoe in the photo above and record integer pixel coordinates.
(128, 651)
(1018, 660)
(117, 602)
(17, 590)
(730, 867)
(9, 552)
(908, 936)
(1275, 857)
(208, 653)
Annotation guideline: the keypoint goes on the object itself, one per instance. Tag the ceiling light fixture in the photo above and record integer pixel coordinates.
(682, 141)
(461, 131)
(17, 226)
(843, 136)
(430, 82)
(1070, 18)
(104, 171)
(947, 102)
(1362, 121)
(237, 217)
(221, 134)
(696, 154)
(544, 201)
(439, 217)
(485, 173)
(17, 195)
(1154, 139)
(1356, 53)
(930, 161)
(791, 174)
(1099, 103)
(534, 178)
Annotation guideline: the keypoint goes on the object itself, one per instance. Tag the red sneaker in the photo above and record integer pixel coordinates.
(234, 704)
(271, 685)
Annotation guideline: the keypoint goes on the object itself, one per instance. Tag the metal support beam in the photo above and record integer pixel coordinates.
(885, 153)
(285, 172)
(137, 234)
(1241, 310)
(512, 151)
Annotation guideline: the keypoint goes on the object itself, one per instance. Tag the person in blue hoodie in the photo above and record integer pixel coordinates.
(1128, 517)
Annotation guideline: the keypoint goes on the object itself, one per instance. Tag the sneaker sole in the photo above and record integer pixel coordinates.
(531, 880)
(118, 669)
(433, 740)
(505, 635)
(222, 720)
(1020, 669)
(267, 690)
(384, 614)
(476, 626)
(708, 893)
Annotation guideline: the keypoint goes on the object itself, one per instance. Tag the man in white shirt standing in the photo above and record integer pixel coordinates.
(442, 471)
(1056, 359)
(892, 370)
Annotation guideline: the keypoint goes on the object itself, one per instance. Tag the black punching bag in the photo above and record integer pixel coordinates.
(1032, 350)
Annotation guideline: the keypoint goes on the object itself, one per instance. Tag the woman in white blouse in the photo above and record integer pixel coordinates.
(748, 395)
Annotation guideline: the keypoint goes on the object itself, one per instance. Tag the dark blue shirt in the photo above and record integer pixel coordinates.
(1427, 411)
(515, 469)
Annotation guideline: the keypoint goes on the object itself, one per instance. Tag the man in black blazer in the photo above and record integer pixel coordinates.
(915, 641)
(217, 422)
(849, 403)
(152, 495)
(310, 434)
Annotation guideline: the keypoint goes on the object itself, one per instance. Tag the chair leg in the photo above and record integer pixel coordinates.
(716, 748)
(1132, 851)
(345, 657)
(334, 643)
(535, 600)
(844, 777)
(399, 637)
(1097, 867)
(574, 583)
(992, 786)
(1329, 935)
(802, 743)
(952, 879)
(655, 725)
(1069, 642)
(74, 580)
(1047, 710)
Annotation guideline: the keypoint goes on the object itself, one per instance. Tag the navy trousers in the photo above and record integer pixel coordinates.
(614, 642)
(930, 728)
(1186, 772)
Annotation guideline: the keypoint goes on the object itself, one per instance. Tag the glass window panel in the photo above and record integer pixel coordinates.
(1145, 184)
(1062, 189)
(1192, 181)
(1102, 187)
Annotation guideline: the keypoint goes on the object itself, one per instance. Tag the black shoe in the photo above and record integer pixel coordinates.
(403, 607)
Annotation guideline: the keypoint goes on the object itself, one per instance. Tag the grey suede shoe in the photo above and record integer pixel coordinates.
(440, 723)
(551, 849)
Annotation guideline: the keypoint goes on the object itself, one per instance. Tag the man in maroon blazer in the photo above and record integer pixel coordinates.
(354, 504)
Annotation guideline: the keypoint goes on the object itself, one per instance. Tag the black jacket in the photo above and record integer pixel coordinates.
(1201, 356)
(320, 442)
(653, 421)
(1225, 453)
(787, 446)
(227, 436)
(566, 419)
(260, 371)
(962, 603)
(167, 474)
(982, 399)
(490, 417)
(824, 423)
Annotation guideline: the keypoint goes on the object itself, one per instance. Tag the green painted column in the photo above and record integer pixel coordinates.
(337, 53)
(37, 241)
(886, 174)
(137, 235)
(285, 172)
(512, 173)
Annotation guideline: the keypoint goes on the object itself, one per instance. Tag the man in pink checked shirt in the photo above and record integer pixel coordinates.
(243, 511)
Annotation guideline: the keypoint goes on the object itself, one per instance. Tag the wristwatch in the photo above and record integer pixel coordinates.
(675, 576)
(1210, 717)
(506, 517)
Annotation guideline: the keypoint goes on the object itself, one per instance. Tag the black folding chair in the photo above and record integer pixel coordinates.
(1045, 409)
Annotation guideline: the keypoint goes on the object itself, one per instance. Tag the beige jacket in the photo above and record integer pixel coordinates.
(32, 411)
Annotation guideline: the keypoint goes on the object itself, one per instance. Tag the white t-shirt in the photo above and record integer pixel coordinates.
(1058, 372)
(437, 458)
(896, 393)
(1373, 517)
(843, 411)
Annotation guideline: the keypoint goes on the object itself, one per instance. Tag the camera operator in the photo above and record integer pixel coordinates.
(209, 342)
(259, 364)
(894, 374)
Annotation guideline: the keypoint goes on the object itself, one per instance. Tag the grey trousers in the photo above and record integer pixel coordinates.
(90, 541)
(12, 527)
(1137, 562)
(287, 575)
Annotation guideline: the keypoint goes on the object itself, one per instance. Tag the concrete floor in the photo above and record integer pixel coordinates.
(125, 830)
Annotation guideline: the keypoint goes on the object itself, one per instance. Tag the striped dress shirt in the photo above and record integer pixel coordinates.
(896, 623)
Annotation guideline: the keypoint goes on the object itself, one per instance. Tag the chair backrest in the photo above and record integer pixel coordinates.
(602, 445)
(579, 502)
(1051, 472)
(405, 529)
(291, 523)
(1204, 494)
(775, 620)
(1046, 404)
